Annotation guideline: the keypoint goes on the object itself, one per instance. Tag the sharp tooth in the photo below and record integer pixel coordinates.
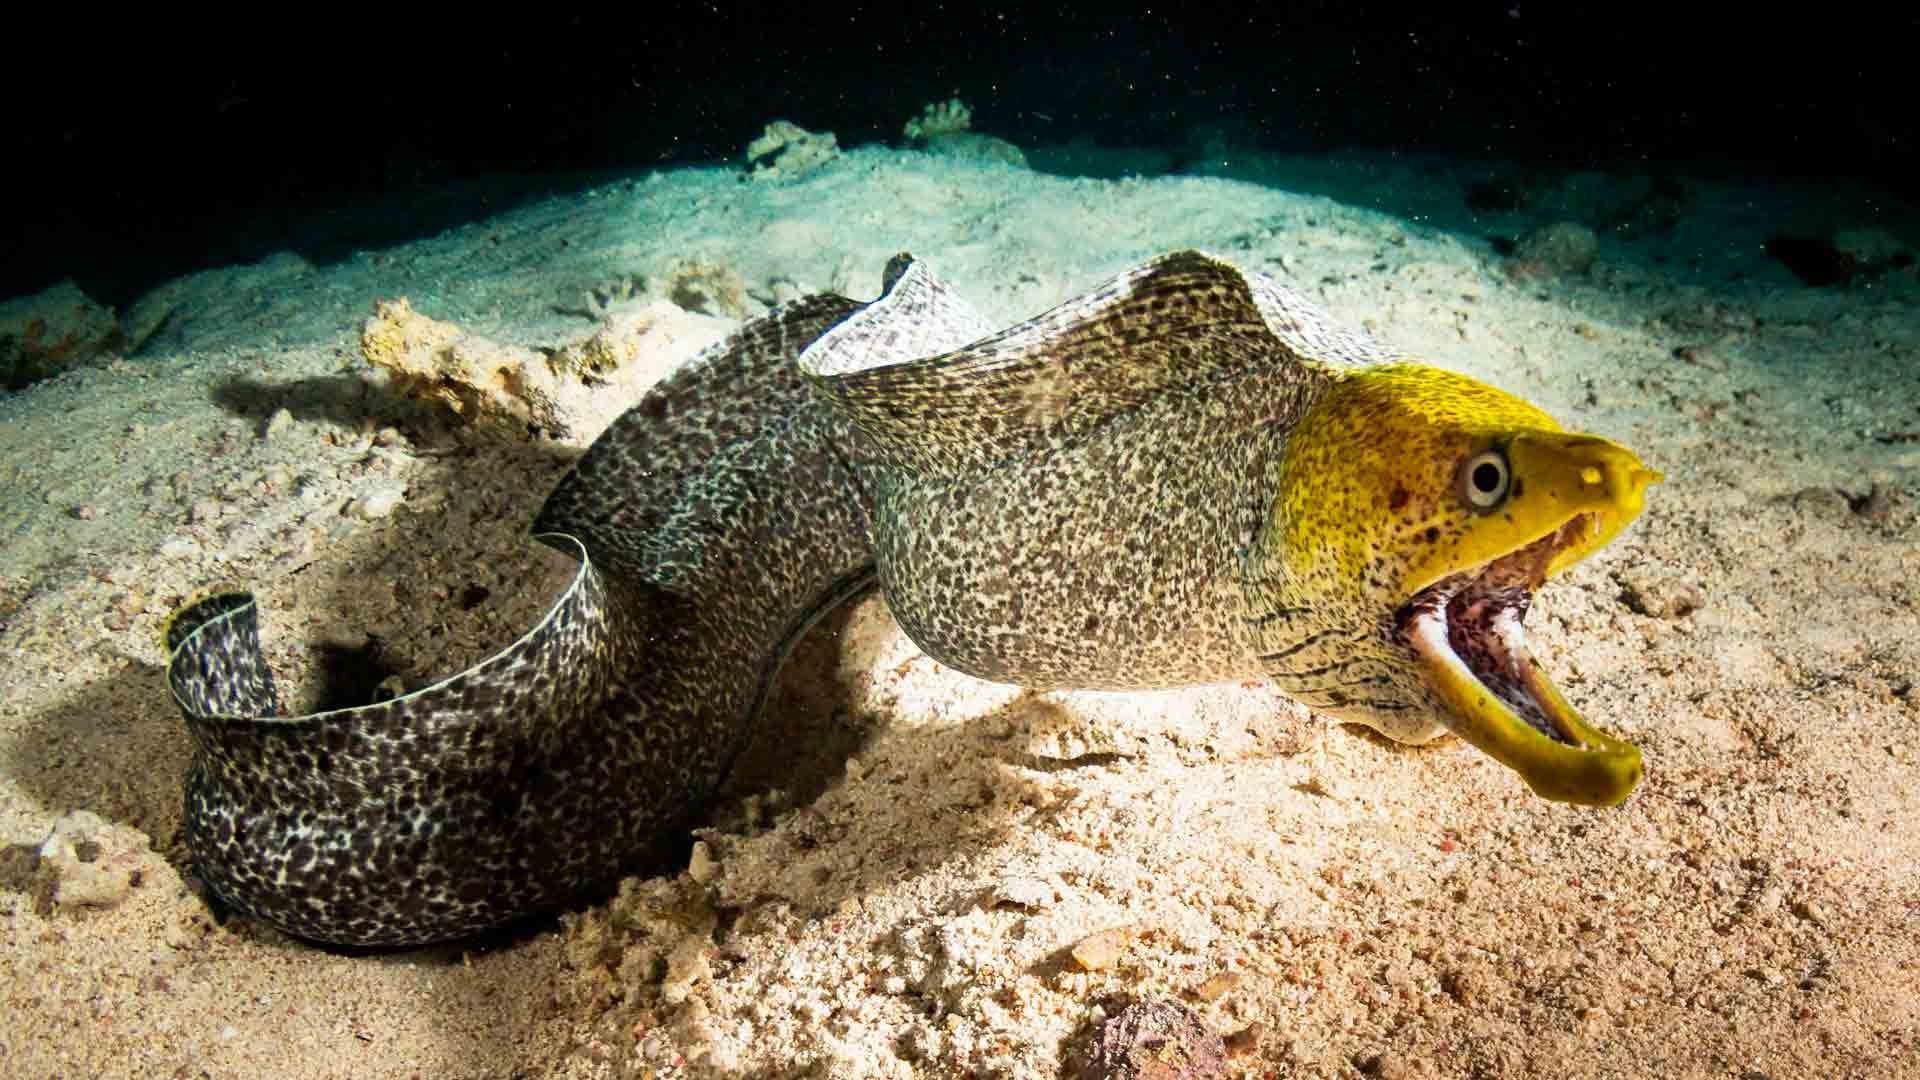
(1430, 627)
(1512, 636)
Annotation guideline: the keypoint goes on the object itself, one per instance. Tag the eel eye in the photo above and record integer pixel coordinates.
(1484, 479)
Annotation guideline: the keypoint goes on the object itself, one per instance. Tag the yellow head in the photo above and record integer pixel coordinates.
(1418, 511)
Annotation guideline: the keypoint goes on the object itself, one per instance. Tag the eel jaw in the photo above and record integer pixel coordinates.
(1467, 632)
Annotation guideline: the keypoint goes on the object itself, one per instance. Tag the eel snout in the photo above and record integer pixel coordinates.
(1468, 631)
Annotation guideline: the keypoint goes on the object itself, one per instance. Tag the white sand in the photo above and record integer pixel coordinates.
(905, 904)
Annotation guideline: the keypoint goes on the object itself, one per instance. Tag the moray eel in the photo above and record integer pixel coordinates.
(1188, 475)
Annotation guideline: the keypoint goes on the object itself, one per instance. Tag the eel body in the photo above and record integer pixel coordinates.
(1187, 475)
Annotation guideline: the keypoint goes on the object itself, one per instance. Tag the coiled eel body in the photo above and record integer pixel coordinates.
(1187, 475)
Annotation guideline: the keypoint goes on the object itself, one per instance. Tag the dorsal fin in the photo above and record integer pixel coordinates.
(914, 374)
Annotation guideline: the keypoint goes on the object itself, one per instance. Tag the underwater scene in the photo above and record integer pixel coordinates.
(1346, 541)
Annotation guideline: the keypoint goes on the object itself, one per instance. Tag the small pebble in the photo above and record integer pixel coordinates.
(1659, 596)
(1809, 911)
(1563, 248)
(701, 865)
(1023, 892)
(1246, 1040)
(1098, 951)
(1468, 986)
(1155, 1040)
(1218, 987)
(277, 424)
(376, 504)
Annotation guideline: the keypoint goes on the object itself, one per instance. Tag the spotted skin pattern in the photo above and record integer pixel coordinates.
(1185, 475)
(1073, 546)
(714, 522)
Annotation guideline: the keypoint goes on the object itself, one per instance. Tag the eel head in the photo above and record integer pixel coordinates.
(1419, 511)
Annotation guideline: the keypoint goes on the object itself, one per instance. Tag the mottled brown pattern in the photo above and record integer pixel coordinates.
(1069, 502)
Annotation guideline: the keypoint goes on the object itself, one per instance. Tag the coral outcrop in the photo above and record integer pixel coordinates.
(786, 150)
(945, 128)
(567, 394)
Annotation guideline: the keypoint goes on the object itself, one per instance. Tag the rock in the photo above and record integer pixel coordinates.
(701, 865)
(975, 146)
(1155, 1040)
(1562, 248)
(379, 503)
(1098, 951)
(1023, 892)
(482, 381)
(569, 395)
(1810, 911)
(1872, 248)
(1824, 259)
(1218, 987)
(51, 331)
(686, 965)
(87, 861)
(277, 424)
(1659, 596)
(1246, 1041)
(703, 287)
(944, 128)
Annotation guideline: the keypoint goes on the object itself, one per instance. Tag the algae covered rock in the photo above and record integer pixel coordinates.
(51, 331)
(786, 150)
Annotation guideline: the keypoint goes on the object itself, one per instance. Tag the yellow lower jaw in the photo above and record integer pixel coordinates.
(1595, 770)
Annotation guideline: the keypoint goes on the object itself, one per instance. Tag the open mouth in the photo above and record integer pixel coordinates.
(1468, 629)
(1480, 617)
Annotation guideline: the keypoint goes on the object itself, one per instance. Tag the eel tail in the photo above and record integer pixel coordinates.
(714, 522)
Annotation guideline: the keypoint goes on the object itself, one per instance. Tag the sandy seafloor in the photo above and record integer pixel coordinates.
(901, 899)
